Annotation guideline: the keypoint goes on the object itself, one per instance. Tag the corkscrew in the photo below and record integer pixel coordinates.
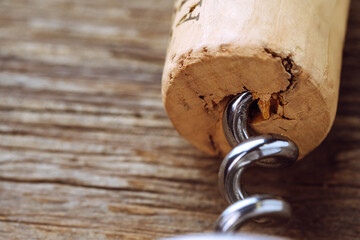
(270, 151)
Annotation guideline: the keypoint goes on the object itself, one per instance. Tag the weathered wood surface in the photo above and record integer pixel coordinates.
(87, 151)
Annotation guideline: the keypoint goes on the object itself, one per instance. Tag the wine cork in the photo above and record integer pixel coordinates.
(286, 53)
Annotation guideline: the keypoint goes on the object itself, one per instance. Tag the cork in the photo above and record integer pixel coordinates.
(286, 53)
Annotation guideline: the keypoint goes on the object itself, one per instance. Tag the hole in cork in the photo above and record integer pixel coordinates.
(256, 115)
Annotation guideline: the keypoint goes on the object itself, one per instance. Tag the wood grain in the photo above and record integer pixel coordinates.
(87, 151)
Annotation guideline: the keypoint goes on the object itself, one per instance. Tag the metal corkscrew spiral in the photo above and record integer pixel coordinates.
(271, 151)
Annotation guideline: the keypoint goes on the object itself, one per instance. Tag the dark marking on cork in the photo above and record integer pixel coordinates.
(212, 143)
(189, 15)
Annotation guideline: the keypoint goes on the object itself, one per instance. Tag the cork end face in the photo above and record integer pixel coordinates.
(197, 86)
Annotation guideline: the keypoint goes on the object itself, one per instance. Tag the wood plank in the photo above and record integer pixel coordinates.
(87, 151)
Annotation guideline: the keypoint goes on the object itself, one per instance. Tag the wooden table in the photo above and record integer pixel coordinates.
(87, 151)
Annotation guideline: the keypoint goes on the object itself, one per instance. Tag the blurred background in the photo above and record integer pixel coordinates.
(87, 151)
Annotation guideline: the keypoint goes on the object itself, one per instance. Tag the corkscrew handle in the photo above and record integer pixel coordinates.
(226, 237)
